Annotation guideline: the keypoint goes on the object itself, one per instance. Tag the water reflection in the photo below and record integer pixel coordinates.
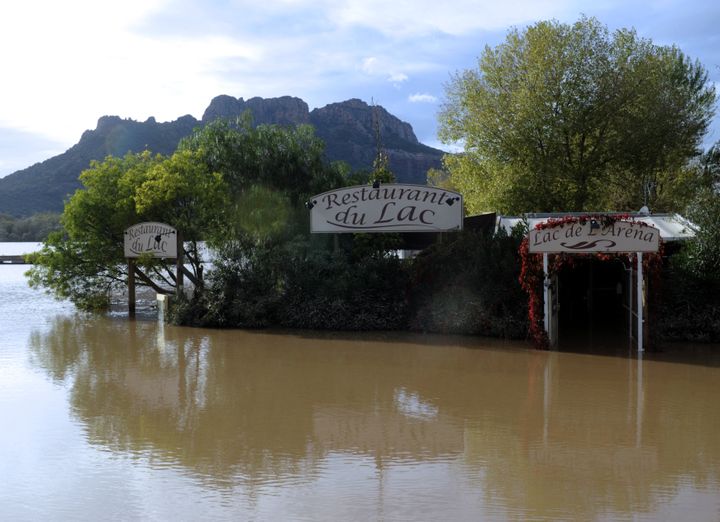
(525, 434)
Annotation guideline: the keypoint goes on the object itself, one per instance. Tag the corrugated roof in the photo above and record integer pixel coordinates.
(672, 227)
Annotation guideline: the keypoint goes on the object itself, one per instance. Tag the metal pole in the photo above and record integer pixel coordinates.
(640, 301)
(546, 304)
(640, 402)
(630, 303)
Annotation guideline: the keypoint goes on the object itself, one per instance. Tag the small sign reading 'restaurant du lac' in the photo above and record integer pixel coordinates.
(154, 239)
(386, 208)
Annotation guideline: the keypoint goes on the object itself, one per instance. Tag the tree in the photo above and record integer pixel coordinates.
(266, 167)
(571, 118)
(85, 261)
(33, 228)
(701, 255)
(689, 308)
(224, 183)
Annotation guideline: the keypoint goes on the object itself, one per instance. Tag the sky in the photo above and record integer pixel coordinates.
(64, 64)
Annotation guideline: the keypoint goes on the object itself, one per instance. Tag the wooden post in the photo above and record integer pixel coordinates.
(179, 262)
(131, 287)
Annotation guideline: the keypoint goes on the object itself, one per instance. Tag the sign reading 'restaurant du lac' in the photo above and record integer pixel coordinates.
(593, 236)
(386, 208)
(153, 239)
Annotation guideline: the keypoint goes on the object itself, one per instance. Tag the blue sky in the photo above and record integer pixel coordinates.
(66, 63)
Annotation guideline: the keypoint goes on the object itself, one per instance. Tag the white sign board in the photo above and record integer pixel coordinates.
(592, 236)
(387, 208)
(154, 239)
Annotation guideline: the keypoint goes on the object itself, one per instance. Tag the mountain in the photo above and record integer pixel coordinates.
(348, 129)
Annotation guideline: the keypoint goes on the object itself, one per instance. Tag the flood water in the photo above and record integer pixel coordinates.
(111, 419)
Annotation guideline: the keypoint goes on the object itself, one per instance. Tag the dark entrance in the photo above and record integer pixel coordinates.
(593, 297)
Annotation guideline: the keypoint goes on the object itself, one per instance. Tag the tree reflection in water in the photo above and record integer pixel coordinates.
(535, 433)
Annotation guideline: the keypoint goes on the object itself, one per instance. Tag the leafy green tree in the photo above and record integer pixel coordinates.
(224, 183)
(701, 255)
(266, 167)
(85, 261)
(290, 160)
(572, 118)
(182, 192)
(689, 307)
(32, 228)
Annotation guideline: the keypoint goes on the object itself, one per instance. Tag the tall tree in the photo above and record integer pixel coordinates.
(572, 118)
(270, 171)
(85, 261)
(224, 183)
(701, 255)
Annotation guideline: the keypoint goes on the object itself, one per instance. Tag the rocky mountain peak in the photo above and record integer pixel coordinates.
(348, 129)
(286, 110)
(363, 118)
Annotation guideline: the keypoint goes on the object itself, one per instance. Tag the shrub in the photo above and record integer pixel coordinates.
(470, 285)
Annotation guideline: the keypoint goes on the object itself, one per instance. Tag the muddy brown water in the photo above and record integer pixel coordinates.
(111, 419)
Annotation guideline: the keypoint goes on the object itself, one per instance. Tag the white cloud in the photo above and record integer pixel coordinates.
(422, 98)
(77, 60)
(398, 78)
(374, 66)
(370, 65)
(403, 18)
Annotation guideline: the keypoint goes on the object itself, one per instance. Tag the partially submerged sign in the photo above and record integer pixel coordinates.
(593, 236)
(151, 238)
(386, 208)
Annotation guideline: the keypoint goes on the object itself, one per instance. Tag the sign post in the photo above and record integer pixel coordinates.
(156, 240)
(179, 263)
(131, 287)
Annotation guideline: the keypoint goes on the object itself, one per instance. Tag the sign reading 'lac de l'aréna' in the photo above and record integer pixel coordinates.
(155, 239)
(386, 208)
(593, 236)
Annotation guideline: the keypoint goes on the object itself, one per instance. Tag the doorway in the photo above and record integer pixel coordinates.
(592, 298)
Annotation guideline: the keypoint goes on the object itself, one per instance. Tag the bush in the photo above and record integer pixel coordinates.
(689, 309)
(331, 290)
(282, 285)
(470, 285)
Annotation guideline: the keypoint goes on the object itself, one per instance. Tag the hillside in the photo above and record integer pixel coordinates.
(347, 129)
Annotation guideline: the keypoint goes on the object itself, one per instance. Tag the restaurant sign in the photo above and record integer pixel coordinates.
(593, 236)
(155, 239)
(386, 208)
